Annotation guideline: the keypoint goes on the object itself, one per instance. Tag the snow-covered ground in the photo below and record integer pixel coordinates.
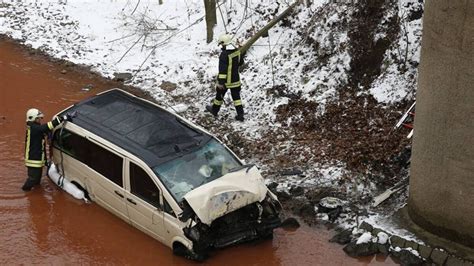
(306, 57)
(167, 42)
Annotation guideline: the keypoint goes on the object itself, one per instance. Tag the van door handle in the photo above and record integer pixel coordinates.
(118, 193)
(131, 201)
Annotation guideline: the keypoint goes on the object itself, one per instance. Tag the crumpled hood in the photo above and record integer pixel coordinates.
(227, 194)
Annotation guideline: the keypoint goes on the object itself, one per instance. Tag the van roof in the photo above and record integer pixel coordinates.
(138, 126)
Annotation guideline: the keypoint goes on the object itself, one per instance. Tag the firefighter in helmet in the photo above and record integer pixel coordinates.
(35, 145)
(228, 78)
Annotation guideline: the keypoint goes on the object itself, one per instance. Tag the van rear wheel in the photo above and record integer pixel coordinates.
(86, 194)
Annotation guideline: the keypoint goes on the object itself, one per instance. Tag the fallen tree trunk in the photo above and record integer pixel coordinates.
(265, 29)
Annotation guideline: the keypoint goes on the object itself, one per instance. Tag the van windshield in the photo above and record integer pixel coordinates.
(192, 170)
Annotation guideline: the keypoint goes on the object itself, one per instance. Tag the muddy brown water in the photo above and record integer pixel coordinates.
(47, 226)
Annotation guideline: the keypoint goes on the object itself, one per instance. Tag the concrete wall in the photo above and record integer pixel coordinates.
(442, 173)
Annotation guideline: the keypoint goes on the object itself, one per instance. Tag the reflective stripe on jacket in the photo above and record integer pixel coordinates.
(229, 62)
(35, 145)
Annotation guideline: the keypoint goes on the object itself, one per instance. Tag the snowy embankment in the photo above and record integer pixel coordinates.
(298, 82)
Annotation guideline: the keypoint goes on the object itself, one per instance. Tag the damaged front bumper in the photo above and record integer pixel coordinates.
(254, 221)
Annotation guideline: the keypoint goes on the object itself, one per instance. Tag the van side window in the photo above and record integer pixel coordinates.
(142, 186)
(105, 162)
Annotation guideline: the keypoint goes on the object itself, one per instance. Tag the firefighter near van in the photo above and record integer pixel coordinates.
(35, 145)
(228, 78)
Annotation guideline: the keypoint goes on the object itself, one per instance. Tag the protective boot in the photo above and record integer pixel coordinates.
(213, 109)
(26, 187)
(34, 178)
(240, 113)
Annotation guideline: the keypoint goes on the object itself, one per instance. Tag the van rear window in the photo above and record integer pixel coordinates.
(105, 162)
(100, 159)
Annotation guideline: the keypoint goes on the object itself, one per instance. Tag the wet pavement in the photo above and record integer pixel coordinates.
(47, 226)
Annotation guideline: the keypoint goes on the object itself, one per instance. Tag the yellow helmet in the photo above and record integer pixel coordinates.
(32, 114)
(225, 39)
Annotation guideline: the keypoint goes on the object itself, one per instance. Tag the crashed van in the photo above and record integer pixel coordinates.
(163, 174)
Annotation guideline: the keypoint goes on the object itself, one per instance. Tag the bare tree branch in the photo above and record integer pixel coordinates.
(166, 40)
(135, 7)
(265, 29)
(222, 17)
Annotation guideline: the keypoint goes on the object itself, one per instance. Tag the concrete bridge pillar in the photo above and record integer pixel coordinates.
(442, 173)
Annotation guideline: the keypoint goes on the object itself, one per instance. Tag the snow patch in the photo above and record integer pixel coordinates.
(398, 78)
(382, 238)
(364, 238)
(387, 224)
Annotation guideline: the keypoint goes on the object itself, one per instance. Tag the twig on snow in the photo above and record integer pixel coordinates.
(271, 61)
(123, 37)
(130, 48)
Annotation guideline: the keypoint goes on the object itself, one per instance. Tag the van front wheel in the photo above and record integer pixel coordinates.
(180, 250)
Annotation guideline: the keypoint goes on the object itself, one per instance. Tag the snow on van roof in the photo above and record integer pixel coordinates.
(138, 126)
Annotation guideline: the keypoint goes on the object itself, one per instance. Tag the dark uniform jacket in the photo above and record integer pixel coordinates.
(35, 145)
(229, 62)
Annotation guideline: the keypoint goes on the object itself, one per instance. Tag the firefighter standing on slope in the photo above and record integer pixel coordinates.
(228, 78)
(35, 145)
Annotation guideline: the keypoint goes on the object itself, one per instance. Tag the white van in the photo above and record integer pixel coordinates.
(162, 174)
